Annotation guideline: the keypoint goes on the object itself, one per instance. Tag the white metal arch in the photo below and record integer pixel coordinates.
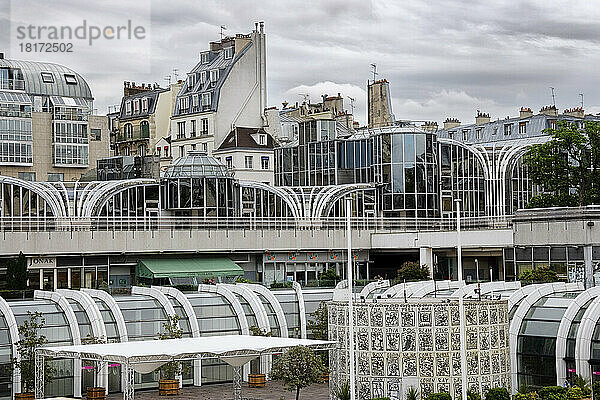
(517, 319)
(64, 305)
(266, 293)
(290, 201)
(428, 287)
(96, 322)
(468, 291)
(156, 295)
(51, 197)
(398, 290)
(232, 299)
(515, 299)
(192, 320)
(113, 307)
(103, 192)
(323, 201)
(372, 286)
(564, 327)
(583, 343)
(301, 308)
(13, 331)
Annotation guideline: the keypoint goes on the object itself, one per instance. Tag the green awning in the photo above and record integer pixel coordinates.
(187, 267)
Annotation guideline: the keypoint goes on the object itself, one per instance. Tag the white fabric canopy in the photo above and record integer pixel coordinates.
(236, 350)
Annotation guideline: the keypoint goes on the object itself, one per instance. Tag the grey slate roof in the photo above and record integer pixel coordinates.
(34, 85)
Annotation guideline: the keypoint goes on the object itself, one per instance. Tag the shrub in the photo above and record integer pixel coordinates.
(342, 392)
(381, 398)
(553, 393)
(412, 271)
(473, 395)
(278, 285)
(439, 396)
(596, 389)
(329, 275)
(497, 394)
(540, 274)
(574, 393)
(412, 393)
(582, 384)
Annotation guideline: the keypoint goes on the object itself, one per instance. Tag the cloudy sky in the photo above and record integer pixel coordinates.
(442, 58)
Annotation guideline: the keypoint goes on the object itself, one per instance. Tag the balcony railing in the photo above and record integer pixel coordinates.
(137, 133)
(376, 225)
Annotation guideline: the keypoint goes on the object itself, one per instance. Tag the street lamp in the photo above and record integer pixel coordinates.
(461, 306)
(349, 277)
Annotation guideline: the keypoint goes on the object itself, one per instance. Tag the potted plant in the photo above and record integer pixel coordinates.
(168, 384)
(94, 392)
(30, 340)
(256, 378)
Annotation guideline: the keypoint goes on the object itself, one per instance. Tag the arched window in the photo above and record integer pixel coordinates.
(128, 131)
(145, 129)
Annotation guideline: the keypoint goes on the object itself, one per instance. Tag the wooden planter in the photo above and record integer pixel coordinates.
(256, 380)
(168, 387)
(96, 393)
(25, 396)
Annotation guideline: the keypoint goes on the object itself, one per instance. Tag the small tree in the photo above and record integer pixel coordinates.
(539, 275)
(256, 331)
(171, 331)
(413, 271)
(412, 393)
(318, 325)
(16, 273)
(297, 368)
(89, 339)
(30, 340)
(329, 275)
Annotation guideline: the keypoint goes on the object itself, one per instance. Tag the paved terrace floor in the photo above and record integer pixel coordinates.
(272, 391)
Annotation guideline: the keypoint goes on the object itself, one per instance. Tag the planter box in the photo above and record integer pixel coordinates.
(25, 396)
(256, 380)
(96, 393)
(168, 387)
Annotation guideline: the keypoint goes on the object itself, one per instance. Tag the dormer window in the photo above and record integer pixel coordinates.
(465, 133)
(191, 80)
(128, 107)
(205, 100)
(70, 79)
(262, 139)
(204, 58)
(451, 134)
(136, 106)
(184, 103)
(507, 129)
(145, 104)
(202, 77)
(228, 53)
(214, 75)
(195, 101)
(47, 77)
(478, 134)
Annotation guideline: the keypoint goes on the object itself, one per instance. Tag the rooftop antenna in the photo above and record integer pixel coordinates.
(553, 98)
(223, 28)
(352, 100)
(305, 96)
(176, 73)
(168, 79)
(581, 94)
(374, 71)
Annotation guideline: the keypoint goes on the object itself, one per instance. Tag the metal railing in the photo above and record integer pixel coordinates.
(159, 223)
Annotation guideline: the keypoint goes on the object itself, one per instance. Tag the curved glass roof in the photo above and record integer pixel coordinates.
(197, 164)
(32, 75)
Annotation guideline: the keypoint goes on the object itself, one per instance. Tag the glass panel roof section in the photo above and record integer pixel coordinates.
(197, 164)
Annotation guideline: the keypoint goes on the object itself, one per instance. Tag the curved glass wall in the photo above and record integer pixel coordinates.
(144, 318)
(462, 177)
(58, 333)
(406, 164)
(261, 203)
(291, 310)
(536, 343)
(216, 317)
(522, 188)
(271, 315)
(5, 361)
(571, 340)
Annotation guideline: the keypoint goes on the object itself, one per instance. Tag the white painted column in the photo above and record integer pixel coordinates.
(426, 257)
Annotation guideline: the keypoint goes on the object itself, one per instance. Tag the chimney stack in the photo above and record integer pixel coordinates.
(576, 112)
(525, 112)
(482, 118)
(550, 111)
(450, 123)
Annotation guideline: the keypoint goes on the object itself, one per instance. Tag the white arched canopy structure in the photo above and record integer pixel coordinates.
(583, 343)
(578, 303)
